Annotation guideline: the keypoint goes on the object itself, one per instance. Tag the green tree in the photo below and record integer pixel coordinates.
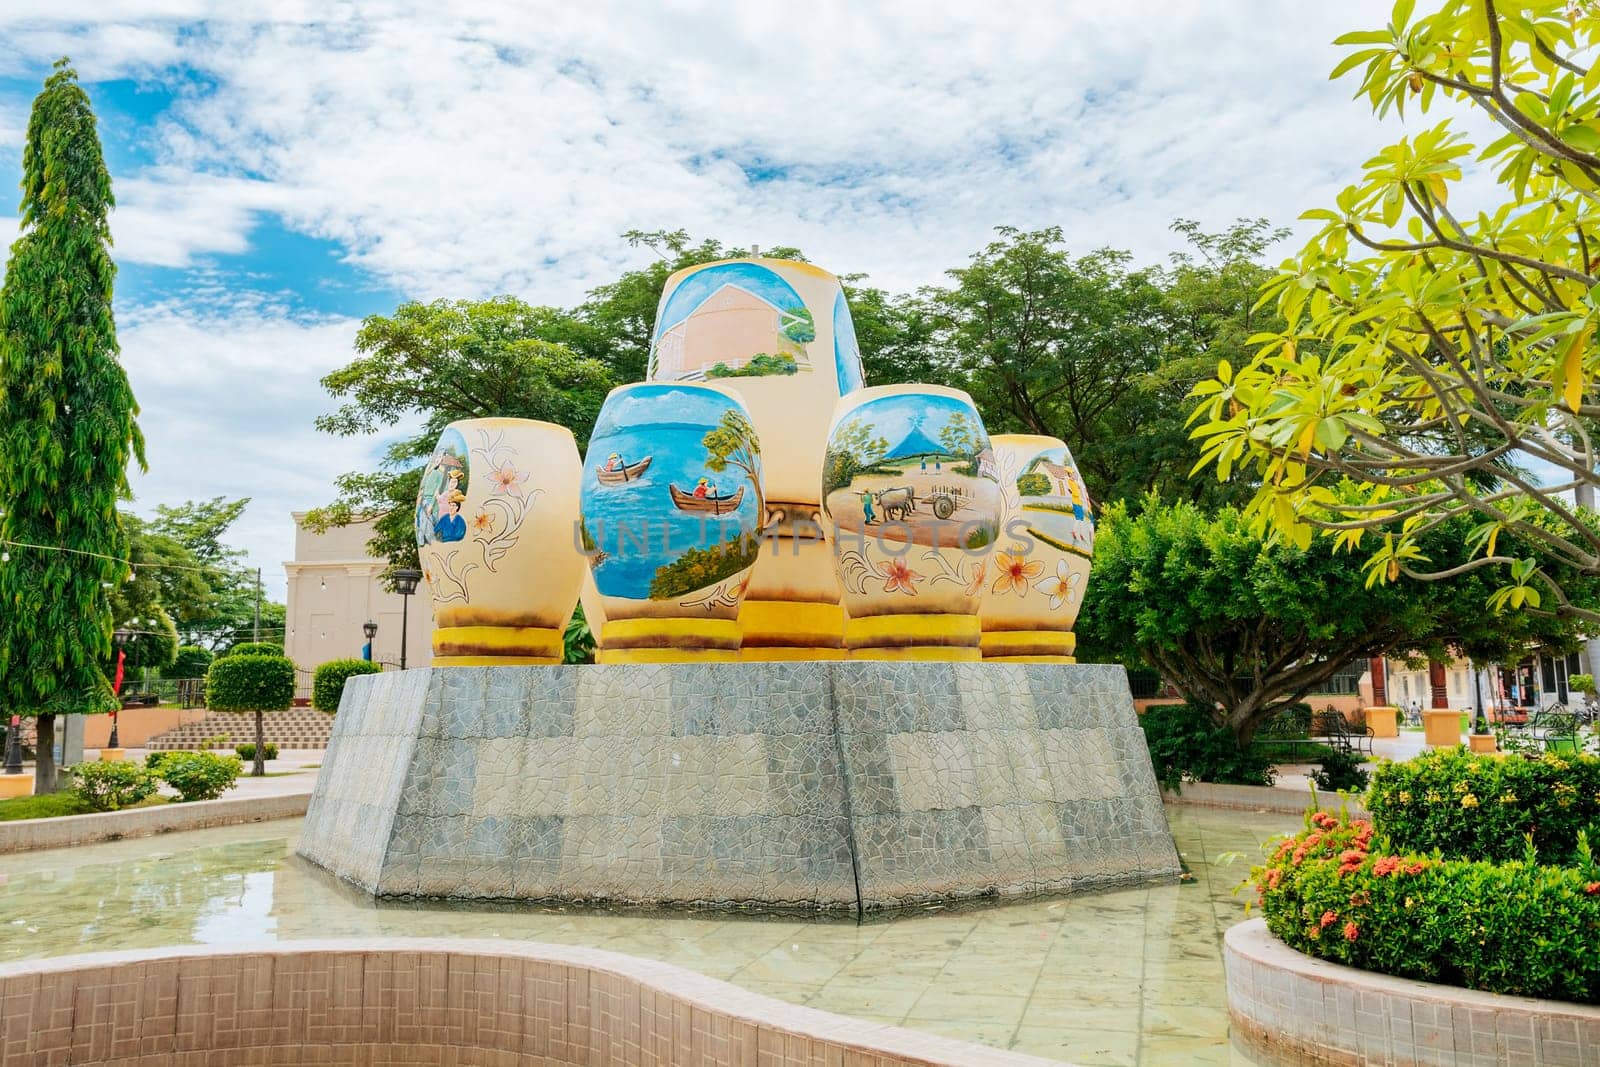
(191, 661)
(256, 683)
(1248, 625)
(734, 443)
(436, 363)
(1438, 355)
(67, 426)
(206, 586)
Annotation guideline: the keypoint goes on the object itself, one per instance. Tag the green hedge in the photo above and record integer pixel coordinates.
(192, 661)
(1518, 927)
(253, 648)
(199, 775)
(253, 682)
(327, 682)
(1483, 807)
(111, 785)
(1186, 746)
(247, 751)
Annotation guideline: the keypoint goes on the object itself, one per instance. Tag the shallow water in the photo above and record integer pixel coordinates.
(1130, 977)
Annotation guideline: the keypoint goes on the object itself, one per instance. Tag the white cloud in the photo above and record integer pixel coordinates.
(463, 149)
(227, 398)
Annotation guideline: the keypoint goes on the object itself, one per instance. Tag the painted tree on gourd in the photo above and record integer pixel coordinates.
(734, 442)
(67, 426)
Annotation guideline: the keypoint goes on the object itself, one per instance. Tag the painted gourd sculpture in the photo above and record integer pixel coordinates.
(779, 334)
(495, 517)
(909, 489)
(672, 496)
(1040, 567)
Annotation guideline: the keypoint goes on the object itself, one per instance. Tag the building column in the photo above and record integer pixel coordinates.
(1438, 684)
(1380, 690)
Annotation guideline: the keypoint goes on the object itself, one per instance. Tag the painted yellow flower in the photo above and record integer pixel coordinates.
(482, 522)
(508, 480)
(1015, 572)
(1059, 586)
(897, 575)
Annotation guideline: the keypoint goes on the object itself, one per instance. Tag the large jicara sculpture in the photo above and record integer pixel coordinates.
(835, 666)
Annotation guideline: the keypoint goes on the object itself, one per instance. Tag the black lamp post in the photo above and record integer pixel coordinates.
(405, 583)
(120, 638)
(370, 629)
(14, 746)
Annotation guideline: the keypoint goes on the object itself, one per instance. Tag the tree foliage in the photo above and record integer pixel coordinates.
(1248, 625)
(67, 424)
(1440, 352)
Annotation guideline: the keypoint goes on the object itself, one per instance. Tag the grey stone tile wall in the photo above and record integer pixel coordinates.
(829, 786)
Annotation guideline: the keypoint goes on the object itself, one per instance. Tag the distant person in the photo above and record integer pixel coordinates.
(613, 462)
(866, 507)
(924, 464)
(702, 489)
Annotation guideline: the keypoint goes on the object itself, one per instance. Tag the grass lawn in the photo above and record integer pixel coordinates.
(52, 804)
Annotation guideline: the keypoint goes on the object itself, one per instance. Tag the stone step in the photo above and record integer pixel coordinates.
(299, 728)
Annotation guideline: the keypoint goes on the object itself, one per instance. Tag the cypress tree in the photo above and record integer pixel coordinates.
(67, 426)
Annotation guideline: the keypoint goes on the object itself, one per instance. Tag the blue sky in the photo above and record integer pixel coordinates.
(284, 169)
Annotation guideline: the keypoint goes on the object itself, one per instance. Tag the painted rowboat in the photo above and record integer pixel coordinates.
(715, 505)
(625, 473)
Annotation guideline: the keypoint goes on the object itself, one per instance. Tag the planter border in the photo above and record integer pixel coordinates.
(264, 1003)
(1290, 1007)
(62, 831)
(1256, 798)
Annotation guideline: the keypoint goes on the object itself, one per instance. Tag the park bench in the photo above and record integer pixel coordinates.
(1288, 730)
(1556, 729)
(1332, 726)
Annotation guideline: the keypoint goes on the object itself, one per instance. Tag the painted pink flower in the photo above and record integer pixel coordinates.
(898, 575)
(979, 572)
(508, 480)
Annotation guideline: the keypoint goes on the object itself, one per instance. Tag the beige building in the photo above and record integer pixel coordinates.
(334, 589)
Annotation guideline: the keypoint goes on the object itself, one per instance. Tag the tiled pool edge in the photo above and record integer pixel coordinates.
(1288, 1007)
(27, 835)
(1258, 798)
(315, 999)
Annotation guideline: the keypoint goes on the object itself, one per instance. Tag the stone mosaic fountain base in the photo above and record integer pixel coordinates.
(821, 786)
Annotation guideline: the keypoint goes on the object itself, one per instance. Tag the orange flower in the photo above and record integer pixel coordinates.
(483, 522)
(1351, 931)
(1015, 572)
(979, 572)
(1592, 888)
(1329, 918)
(897, 574)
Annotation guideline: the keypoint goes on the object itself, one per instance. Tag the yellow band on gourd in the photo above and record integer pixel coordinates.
(496, 661)
(670, 634)
(1029, 659)
(912, 630)
(788, 653)
(799, 620)
(1029, 643)
(935, 653)
(667, 655)
(455, 642)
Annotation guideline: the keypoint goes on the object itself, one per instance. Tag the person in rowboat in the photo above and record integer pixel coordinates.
(614, 462)
(705, 491)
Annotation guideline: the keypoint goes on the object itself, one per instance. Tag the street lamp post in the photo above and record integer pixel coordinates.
(370, 629)
(120, 638)
(405, 583)
(14, 745)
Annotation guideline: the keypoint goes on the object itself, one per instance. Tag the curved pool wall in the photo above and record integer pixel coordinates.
(1288, 1007)
(410, 1000)
(852, 786)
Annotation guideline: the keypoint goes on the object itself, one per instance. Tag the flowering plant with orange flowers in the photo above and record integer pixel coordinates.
(1337, 891)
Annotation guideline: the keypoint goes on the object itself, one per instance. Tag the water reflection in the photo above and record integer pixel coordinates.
(1130, 977)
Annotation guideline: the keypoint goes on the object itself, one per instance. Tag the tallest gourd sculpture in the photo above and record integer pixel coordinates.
(778, 333)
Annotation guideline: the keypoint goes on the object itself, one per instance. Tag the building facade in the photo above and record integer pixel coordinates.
(334, 589)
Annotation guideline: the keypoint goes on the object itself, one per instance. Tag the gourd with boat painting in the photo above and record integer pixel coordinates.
(672, 497)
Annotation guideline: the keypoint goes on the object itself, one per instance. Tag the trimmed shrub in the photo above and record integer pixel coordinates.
(252, 648)
(200, 775)
(1518, 928)
(1341, 771)
(108, 786)
(327, 682)
(256, 682)
(1186, 746)
(192, 661)
(154, 760)
(1483, 807)
(247, 751)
